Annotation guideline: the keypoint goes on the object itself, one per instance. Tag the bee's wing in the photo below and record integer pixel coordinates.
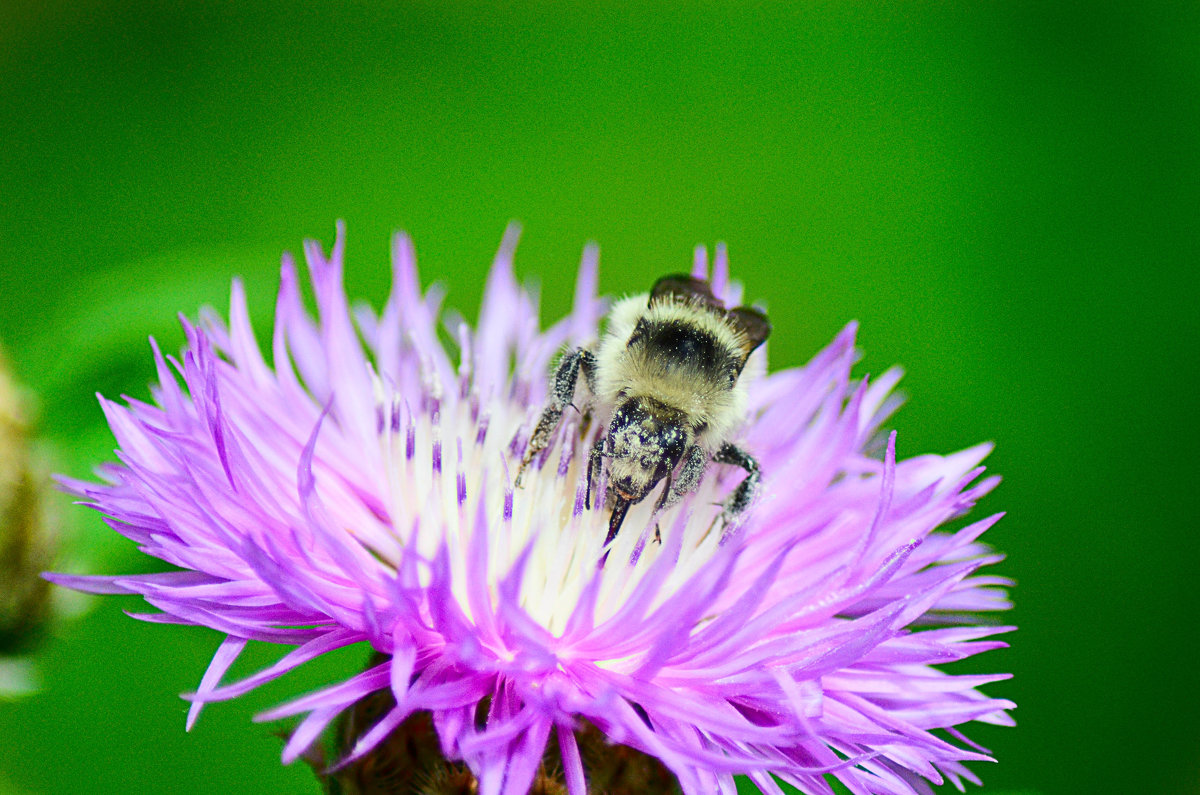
(681, 285)
(753, 324)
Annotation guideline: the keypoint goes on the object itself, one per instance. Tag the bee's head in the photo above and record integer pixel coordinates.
(646, 440)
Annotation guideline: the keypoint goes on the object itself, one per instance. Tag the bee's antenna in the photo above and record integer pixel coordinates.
(620, 508)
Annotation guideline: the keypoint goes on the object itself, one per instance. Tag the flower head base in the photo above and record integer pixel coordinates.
(343, 495)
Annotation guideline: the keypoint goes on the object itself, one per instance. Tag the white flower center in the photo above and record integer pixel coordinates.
(443, 458)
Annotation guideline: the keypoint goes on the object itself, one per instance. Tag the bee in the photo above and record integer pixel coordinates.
(665, 375)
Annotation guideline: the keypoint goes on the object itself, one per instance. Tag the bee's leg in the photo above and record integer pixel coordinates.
(595, 461)
(562, 392)
(744, 493)
(689, 478)
(587, 366)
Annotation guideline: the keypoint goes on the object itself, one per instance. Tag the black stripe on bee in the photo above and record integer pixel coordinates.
(685, 346)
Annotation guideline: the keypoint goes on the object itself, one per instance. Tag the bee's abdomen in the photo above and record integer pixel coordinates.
(686, 348)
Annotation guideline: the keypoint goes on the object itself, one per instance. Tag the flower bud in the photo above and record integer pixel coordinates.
(28, 541)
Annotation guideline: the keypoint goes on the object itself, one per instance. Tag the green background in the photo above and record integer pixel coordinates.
(1005, 195)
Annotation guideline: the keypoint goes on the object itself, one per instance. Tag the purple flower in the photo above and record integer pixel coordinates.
(360, 489)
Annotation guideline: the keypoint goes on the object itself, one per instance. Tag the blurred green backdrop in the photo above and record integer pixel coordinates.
(1005, 195)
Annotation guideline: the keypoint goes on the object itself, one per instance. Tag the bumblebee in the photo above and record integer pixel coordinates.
(665, 374)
